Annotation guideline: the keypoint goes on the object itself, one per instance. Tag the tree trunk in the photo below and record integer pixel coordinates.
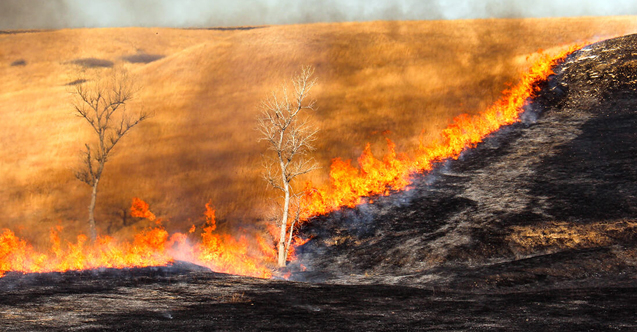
(284, 225)
(290, 233)
(91, 212)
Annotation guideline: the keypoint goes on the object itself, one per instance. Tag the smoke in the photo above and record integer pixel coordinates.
(54, 14)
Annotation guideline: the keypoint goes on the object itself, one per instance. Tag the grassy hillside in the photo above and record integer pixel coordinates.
(403, 79)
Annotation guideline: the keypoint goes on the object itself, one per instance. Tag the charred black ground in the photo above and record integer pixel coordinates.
(571, 162)
(532, 230)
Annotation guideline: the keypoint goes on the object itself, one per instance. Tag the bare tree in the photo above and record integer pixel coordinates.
(283, 125)
(102, 103)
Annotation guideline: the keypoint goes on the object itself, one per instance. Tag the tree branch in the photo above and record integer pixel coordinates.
(283, 125)
(101, 103)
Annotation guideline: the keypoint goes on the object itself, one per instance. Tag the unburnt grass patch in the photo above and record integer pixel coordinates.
(567, 235)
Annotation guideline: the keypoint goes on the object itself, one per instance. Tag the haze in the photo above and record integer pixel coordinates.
(56, 14)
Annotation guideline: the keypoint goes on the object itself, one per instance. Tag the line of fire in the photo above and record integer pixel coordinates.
(348, 187)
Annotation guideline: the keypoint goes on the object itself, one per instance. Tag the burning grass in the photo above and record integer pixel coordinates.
(348, 185)
(151, 247)
(407, 77)
(225, 253)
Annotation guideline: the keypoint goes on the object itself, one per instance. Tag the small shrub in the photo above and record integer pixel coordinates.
(76, 82)
(20, 62)
(142, 58)
(93, 63)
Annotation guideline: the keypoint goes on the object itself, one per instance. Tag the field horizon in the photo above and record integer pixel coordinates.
(404, 80)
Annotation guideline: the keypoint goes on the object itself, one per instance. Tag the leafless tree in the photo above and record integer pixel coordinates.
(102, 104)
(284, 126)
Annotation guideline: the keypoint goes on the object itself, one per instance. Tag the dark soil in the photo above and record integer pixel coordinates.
(442, 256)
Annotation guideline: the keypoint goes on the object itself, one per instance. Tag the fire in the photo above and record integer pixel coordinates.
(224, 253)
(348, 184)
(296, 242)
(151, 247)
(252, 255)
(147, 249)
(139, 209)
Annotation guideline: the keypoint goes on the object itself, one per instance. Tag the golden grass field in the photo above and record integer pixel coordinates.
(408, 78)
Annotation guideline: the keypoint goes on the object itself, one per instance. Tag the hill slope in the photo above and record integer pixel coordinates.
(204, 87)
(533, 230)
(546, 202)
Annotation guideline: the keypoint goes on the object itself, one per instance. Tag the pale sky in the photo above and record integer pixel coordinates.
(53, 14)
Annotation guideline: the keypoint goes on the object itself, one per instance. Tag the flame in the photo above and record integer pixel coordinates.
(348, 185)
(151, 247)
(147, 249)
(209, 214)
(222, 252)
(253, 255)
(139, 209)
(297, 241)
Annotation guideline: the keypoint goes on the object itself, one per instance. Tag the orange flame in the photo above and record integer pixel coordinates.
(151, 247)
(296, 242)
(348, 184)
(147, 249)
(139, 209)
(252, 255)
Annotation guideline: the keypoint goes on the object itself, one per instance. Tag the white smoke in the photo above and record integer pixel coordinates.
(43, 14)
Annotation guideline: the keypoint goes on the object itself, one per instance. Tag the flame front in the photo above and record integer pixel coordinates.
(252, 255)
(348, 184)
(151, 247)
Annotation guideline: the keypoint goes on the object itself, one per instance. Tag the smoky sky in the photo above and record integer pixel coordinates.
(55, 14)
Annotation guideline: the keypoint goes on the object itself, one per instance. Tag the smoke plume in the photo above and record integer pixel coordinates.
(55, 14)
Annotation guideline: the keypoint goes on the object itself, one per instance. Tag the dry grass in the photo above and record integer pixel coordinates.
(563, 235)
(405, 77)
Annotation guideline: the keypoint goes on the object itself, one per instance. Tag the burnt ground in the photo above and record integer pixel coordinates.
(532, 230)
(177, 299)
